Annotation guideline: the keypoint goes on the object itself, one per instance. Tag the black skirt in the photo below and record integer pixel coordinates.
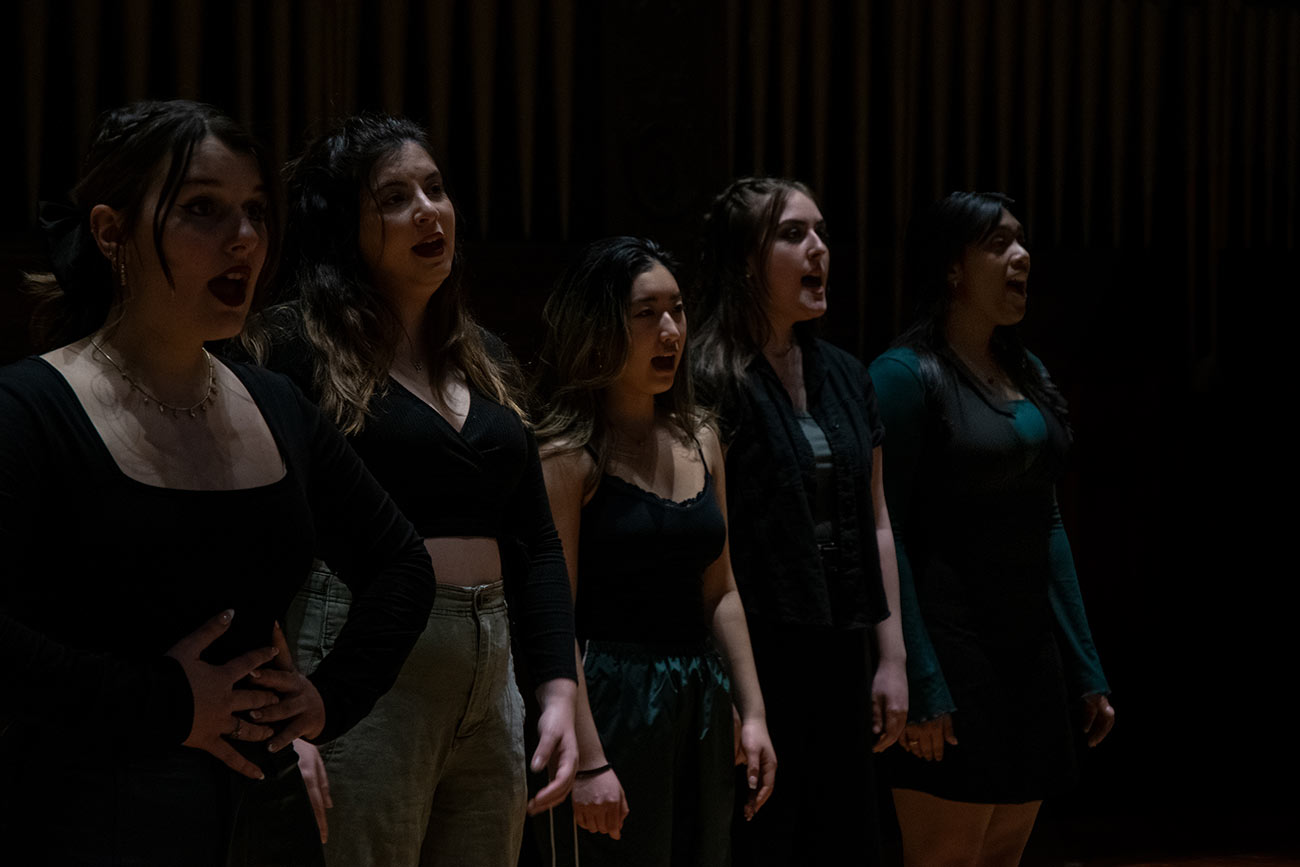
(1015, 730)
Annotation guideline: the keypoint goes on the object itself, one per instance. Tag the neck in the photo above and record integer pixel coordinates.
(631, 417)
(969, 337)
(780, 342)
(167, 363)
(412, 346)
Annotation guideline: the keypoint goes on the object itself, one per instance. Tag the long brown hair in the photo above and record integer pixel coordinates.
(353, 328)
(585, 345)
(730, 297)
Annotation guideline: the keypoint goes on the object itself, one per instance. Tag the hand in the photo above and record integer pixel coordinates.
(760, 764)
(599, 804)
(312, 768)
(1098, 718)
(216, 701)
(925, 740)
(888, 704)
(300, 707)
(557, 745)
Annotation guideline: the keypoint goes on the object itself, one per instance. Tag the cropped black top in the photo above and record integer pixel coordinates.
(641, 562)
(484, 480)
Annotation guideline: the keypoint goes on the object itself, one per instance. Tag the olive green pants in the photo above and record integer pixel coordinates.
(435, 773)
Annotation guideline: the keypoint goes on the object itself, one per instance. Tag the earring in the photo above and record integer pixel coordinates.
(121, 269)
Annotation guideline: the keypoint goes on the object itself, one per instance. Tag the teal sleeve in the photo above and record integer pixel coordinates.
(1082, 665)
(901, 397)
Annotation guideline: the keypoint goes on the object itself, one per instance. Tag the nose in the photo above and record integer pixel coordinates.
(817, 247)
(425, 210)
(247, 235)
(1019, 255)
(669, 330)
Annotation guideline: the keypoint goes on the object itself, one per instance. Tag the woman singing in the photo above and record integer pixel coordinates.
(1000, 658)
(810, 534)
(380, 337)
(158, 510)
(636, 480)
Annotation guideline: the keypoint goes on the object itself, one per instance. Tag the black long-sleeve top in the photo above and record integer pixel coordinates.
(103, 573)
(484, 480)
(783, 574)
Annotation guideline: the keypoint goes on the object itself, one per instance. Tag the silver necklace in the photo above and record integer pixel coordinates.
(209, 394)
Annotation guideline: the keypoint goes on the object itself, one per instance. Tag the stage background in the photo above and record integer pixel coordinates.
(1153, 149)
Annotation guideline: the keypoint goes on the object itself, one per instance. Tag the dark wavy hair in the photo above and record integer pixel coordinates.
(731, 295)
(585, 345)
(937, 237)
(129, 147)
(353, 328)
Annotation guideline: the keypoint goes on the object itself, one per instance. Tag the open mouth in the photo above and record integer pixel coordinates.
(664, 363)
(231, 288)
(431, 249)
(813, 281)
(1017, 286)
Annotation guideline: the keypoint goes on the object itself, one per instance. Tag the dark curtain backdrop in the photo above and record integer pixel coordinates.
(1153, 149)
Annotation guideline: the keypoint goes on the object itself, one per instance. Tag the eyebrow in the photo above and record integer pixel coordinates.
(649, 299)
(433, 175)
(215, 182)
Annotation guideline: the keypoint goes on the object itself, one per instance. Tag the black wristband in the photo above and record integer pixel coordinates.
(594, 772)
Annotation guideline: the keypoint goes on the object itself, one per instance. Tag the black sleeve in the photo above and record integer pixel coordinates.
(131, 700)
(544, 604)
(362, 535)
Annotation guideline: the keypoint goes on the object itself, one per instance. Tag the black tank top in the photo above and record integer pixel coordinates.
(641, 562)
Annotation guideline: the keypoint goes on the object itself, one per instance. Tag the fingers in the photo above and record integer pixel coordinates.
(296, 728)
(285, 709)
(233, 760)
(586, 818)
(284, 658)
(247, 664)
(251, 699)
(197, 641)
(1089, 714)
(318, 784)
(877, 713)
(249, 732)
(767, 782)
(545, 746)
(948, 734)
(1103, 720)
(895, 720)
(550, 795)
(760, 771)
(279, 680)
(601, 818)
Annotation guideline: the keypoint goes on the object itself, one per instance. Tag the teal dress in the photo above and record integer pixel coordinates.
(992, 615)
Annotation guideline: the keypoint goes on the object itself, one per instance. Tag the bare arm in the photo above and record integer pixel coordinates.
(599, 803)
(889, 685)
(726, 615)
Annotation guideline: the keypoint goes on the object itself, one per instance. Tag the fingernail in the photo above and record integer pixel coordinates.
(753, 782)
(255, 673)
(260, 776)
(270, 748)
(227, 615)
(275, 651)
(255, 714)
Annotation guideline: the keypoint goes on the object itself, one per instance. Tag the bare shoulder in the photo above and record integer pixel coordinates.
(711, 447)
(566, 467)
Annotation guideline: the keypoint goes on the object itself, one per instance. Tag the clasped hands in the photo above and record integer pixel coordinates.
(241, 700)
